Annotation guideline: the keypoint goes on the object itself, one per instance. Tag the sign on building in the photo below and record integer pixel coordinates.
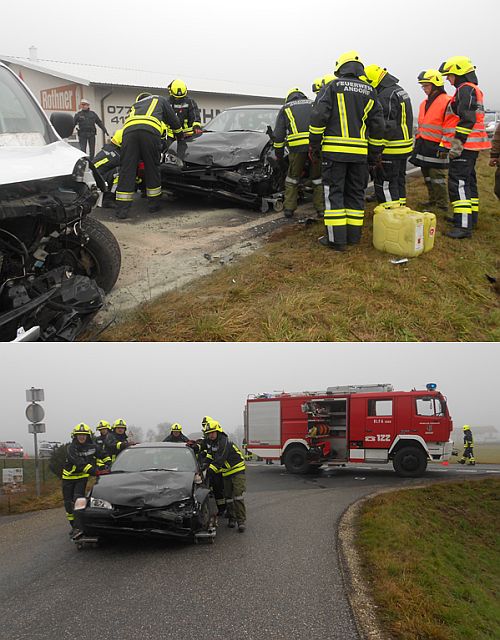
(59, 98)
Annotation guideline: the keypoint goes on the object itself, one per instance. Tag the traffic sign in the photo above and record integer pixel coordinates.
(35, 412)
(38, 427)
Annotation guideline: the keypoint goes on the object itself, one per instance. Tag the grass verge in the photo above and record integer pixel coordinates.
(432, 557)
(51, 496)
(293, 289)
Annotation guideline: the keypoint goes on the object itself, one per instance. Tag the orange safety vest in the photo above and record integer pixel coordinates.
(435, 123)
(477, 140)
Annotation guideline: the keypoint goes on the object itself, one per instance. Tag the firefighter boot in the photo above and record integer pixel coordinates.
(459, 233)
(288, 213)
(332, 245)
(241, 527)
(461, 461)
(231, 523)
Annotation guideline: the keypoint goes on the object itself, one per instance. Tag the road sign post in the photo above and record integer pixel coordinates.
(35, 413)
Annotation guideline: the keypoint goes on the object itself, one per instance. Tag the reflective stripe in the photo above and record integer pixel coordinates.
(387, 193)
(418, 156)
(242, 497)
(404, 126)
(150, 122)
(291, 120)
(291, 180)
(369, 105)
(125, 196)
(156, 191)
(359, 142)
(278, 145)
(317, 181)
(461, 190)
(344, 126)
(316, 130)
(326, 190)
(236, 469)
(335, 217)
(99, 163)
(376, 142)
(341, 149)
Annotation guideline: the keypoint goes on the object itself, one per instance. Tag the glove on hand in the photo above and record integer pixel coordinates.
(314, 153)
(280, 153)
(494, 162)
(197, 131)
(442, 153)
(457, 146)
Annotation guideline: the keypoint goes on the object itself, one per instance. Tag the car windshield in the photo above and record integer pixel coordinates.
(21, 123)
(243, 120)
(155, 458)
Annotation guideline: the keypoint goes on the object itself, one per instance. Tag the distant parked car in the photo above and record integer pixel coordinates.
(11, 449)
(491, 120)
(46, 449)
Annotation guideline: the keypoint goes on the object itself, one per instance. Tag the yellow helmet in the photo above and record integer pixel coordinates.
(176, 427)
(117, 138)
(317, 84)
(375, 74)
(103, 425)
(349, 56)
(205, 422)
(431, 76)
(81, 427)
(326, 79)
(211, 426)
(119, 423)
(177, 88)
(141, 96)
(466, 427)
(457, 65)
(293, 90)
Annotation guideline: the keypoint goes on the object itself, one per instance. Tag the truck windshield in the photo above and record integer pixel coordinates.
(430, 406)
(21, 121)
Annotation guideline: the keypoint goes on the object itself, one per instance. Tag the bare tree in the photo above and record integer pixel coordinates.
(159, 432)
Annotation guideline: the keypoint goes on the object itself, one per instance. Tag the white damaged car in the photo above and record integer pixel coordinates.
(56, 261)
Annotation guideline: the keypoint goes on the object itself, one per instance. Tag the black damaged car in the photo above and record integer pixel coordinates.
(154, 489)
(232, 159)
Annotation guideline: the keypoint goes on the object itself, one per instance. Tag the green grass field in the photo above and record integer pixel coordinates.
(484, 453)
(444, 582)
(293, 289)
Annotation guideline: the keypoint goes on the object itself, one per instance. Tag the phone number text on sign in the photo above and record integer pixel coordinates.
(117, 113)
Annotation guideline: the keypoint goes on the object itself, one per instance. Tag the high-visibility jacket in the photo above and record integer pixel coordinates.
(467, 107)
(434, 125)
(468, 439)
(107, 158)
(398, 117)
(115, 444)
(188, 113)
(222, 455)
(103, 458)
(347, 121)
(292, 123)
(180, 438)
(80, 460)
(152, 113)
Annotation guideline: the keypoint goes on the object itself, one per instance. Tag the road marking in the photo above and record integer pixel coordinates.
(491, 471)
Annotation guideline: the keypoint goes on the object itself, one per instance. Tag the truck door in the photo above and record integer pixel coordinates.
(379, 423)
(430, 419)
(264, 427)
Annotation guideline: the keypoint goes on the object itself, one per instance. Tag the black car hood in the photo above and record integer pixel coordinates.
(145, 488)
(222, 149)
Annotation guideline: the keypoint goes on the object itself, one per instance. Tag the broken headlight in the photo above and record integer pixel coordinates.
(100, 504)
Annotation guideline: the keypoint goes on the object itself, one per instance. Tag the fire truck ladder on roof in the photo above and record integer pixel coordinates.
(361, 388)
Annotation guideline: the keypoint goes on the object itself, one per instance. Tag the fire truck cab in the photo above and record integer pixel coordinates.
(351, 424)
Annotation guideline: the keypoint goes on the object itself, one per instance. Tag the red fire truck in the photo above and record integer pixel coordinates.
(368, 423)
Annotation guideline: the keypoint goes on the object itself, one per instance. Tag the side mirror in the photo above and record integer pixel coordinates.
(62, 123)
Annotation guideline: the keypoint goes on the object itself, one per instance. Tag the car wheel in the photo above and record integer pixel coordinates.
(100, 257)
(278, 205)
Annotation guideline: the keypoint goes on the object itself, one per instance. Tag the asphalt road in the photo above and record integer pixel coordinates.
(279, 579)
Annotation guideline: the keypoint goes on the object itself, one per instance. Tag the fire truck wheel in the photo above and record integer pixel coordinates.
(295, 459)
(410, 462)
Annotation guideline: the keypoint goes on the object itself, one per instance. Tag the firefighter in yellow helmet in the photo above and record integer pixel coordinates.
(292, 130)
(389, 176)
(222, 458)
(347, 129)
(142, 133)
(80, 463)
(176, 434)
(468, 454)
(469, 138)
(117, 440)
(107, 163)
(185, 109)
(433, 127)
(103, 456)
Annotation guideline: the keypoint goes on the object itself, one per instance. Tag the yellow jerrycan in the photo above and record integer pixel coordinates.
(403, 232)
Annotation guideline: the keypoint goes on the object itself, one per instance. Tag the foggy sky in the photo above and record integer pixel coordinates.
(151, 383)
(276, 44)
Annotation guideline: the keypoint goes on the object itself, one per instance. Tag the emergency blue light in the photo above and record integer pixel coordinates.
(431, 386)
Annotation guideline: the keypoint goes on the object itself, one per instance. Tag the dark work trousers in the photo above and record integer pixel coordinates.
(344, 185)
(462, 189)
(216, 483)
(71, 490)
(390, 180)
(83, 139)
(138, 145)
(234, 488)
